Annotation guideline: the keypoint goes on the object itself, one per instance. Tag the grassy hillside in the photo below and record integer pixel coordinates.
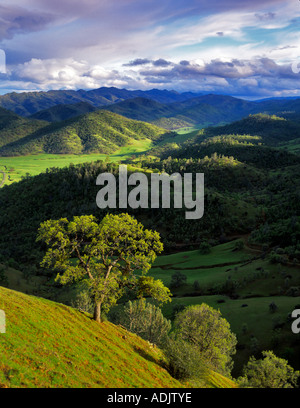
(244, 148)
(140, 109)
(208, 110)
(47, 344)
(27, 103)
(13, 127)
(96, 132)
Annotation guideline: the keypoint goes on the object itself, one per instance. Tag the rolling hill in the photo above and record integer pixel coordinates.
(55, 346)
(140, 109)
(271, 128)
(201, 111)
(96, 132)
(13, 127)
(58, 113)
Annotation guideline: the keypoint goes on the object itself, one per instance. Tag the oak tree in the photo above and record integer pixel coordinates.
(109, 256)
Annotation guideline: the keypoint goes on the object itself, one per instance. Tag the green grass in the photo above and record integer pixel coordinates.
(257, 284)
(258, 318)
(19, 166)
(50, 345)
(218, 255)
(187, 130)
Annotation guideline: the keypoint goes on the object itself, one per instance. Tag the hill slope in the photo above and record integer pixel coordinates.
(198, 111)
(51, 345)
(58, 113)
(273, 129)
(96, 132)
(13, 127)
(140, 109)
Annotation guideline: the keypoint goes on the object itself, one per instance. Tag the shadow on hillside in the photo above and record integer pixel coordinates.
(143, 353)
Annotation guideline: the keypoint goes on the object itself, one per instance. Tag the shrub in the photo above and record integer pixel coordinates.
(239, 245)
(204, 248)
(196, 286)
(268, 372)
(178, 279)
(146, 320)
(177, 308)
(184, 359)
(273, 307)
(83, 302)
(203, 327)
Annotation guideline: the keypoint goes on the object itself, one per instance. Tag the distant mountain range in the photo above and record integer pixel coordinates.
(103, 120)
(167, 109)
(203, 111)
(28, 103)
(199, 111)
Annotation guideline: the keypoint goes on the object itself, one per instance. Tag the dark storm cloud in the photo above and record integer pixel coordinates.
(15, 20)
(239, 77)
(264, 67)
(137, 62)
(144, 61)
(161, 63)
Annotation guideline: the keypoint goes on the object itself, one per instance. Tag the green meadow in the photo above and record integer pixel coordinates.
(19, 166)
(248, 283)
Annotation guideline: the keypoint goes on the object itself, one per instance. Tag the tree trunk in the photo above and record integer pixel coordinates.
(97, 312)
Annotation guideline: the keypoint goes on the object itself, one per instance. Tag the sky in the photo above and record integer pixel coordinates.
(247, 49)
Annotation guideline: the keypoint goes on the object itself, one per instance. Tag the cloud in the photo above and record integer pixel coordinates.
(137, 62)
(17, 20)
(135, 44)
(145, 61)
(265, 16)
(67, 73)
(161, 63)
(256, 77)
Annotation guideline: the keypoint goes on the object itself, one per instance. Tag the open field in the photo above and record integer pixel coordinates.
(241, 284)
(20, 166)
(254, 321)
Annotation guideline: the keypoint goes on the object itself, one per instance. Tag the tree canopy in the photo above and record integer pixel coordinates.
(203, 327)
(109, 256)
(269, 372)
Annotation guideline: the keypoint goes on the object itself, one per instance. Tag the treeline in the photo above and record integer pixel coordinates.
(271, 128)
(72, 191)
(246, 149)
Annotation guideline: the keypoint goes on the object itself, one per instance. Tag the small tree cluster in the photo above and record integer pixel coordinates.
(178, 279)
(203, 332)
(268, 372)
(146, 320)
